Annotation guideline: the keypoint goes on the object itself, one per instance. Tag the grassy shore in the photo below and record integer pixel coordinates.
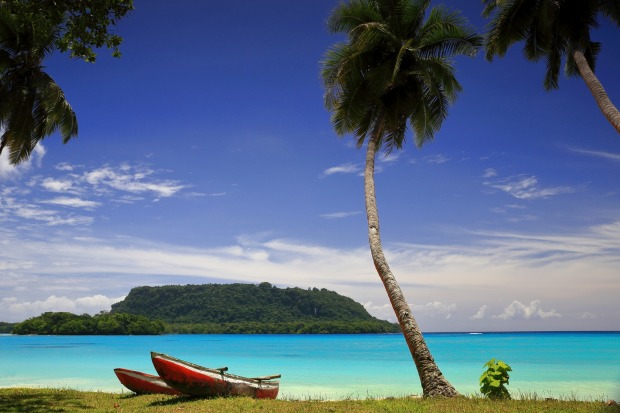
(67, 401)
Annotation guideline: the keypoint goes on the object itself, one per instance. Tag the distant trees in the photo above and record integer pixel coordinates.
(217, 309)
(251, 309)
(64, 323)
(6, 328)
(233, 303)
(300, 327)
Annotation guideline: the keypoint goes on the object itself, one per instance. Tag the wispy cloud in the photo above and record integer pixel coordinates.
(437, 159)
(528, 188)
(348, 168)
(8, 171)
(72, 202)
(599, 154)
(462, 279)
(432, 159)
(338, 215)
(390, 158)
(128, 178)
(60, 185)
(13, 208)
(489, 173)
(77, 187)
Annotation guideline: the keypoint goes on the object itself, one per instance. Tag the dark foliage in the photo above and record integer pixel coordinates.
(250, 308)
(63, 323)
(301, 327)
(6, 328)
(84, 26)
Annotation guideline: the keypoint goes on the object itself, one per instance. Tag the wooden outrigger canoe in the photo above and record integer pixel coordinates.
(143, 383)
(195, 380)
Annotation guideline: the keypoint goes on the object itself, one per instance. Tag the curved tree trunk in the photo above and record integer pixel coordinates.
(432, 380)
(597, 90)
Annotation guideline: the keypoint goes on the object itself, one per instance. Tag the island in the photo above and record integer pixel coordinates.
(219, 309)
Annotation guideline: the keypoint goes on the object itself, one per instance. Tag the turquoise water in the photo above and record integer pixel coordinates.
(576, 365)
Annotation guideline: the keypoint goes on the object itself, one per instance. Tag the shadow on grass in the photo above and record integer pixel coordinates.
(37, 402)
(176, 400)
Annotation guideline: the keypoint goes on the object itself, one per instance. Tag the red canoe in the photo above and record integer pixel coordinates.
(142, 383)
(200, 381)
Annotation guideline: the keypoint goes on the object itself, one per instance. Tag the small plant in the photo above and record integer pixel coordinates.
(494, 380)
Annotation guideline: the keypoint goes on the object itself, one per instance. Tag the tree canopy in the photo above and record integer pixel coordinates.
(64, 323)
(233, 303)
(83, 25)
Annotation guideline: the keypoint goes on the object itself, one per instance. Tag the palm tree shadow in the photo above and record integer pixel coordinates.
(40, 403)
(175, 401)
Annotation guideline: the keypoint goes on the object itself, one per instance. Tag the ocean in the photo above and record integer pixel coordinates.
(576, 365)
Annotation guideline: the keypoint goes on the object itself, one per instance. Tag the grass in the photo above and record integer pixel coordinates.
(67, 401)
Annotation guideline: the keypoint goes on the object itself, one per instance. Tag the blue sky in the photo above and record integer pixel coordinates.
(205, 155)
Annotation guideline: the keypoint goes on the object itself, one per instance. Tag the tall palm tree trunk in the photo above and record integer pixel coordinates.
(597, 90)
(432, 380)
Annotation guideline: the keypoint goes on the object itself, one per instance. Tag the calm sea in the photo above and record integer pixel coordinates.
(576, 365)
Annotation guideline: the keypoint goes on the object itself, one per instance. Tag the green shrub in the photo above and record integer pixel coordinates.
(494, 379)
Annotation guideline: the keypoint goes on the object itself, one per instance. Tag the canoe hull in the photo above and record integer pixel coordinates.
(143, 383)
(195, 380)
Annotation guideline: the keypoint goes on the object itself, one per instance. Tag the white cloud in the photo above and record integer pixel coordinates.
(389, 158)
(347, 168)
(599, 154)
(337, 215)
(489, 173)
(437, 159)
(72, 202)
(480, 313)
(104, 186)
(130, 179)
(381, 311)
(434, 309)
(64, 166)
(570, 273)
(427, 311)
(8, 171)
(13, 310)
(518, 310)
(13, 208)
(527, 187)
(59, 185)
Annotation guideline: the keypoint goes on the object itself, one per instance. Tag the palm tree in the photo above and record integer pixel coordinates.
(394, 69)
(554, 29)
(32, 105)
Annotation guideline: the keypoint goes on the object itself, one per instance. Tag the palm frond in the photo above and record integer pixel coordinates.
(554, 63)
(348, 16)
(610, 9)
(510, 24)
(382, 79)
(447, 33)
(32, 105)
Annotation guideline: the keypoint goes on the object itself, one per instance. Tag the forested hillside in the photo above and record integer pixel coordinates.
(243, 308)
